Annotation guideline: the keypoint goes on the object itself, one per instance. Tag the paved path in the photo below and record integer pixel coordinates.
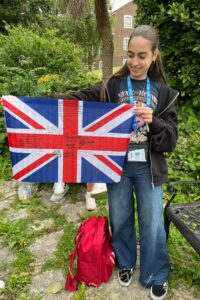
(44, 247)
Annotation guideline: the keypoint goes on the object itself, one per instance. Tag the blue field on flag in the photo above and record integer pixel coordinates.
(60, 140)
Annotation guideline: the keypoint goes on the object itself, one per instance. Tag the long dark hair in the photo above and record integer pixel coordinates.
(156, 70)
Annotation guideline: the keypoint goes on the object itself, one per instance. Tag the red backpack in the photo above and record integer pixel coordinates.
(95, 257)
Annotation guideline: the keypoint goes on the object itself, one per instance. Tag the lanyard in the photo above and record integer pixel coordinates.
(148, 91)
(131, 98)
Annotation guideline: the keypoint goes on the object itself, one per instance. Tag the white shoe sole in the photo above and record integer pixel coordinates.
(60, 189)
(154, 297)
(99, 190)
(58, 197)
(122, 283)
(90, 202)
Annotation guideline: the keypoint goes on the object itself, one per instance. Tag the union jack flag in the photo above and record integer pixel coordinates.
(56, 140)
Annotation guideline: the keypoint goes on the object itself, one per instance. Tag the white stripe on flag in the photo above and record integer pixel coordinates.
(31, 113)
(115, 122)
(103, 167)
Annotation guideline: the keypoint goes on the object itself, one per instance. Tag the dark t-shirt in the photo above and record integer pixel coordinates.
(139, 92)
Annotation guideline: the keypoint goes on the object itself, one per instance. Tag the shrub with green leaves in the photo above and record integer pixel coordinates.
(26, 56)
(184, 162)
(33, 64)
(179, 27)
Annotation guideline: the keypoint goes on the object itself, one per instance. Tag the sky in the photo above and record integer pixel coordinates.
(117, 3)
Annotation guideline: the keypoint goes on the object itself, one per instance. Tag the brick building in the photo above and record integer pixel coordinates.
(124, 20)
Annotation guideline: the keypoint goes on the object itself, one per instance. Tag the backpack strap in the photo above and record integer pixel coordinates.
(71, 284)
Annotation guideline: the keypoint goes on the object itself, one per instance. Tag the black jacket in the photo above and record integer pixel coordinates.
(163, 129)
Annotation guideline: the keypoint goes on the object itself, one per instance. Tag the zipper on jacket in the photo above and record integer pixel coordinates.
(173, 100)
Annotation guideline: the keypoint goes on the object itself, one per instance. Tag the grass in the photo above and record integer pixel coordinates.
(64, 248)
(80, 294)
(185, 262)
(17, 236)
(5, 168)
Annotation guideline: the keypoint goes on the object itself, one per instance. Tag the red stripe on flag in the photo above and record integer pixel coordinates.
(67, 143)
(71, 140)
(70, 117)
(23, 116)
(109, 164)
(110, 117)
(33, 166)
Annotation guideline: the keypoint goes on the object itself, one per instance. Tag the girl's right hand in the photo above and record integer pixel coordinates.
(145, 113)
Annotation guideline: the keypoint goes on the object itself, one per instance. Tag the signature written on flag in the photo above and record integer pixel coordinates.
(57, 140)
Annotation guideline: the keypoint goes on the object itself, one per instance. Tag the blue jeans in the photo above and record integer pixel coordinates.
(154, 260)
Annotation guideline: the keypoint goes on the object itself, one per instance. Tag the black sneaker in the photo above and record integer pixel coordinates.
(158, 292)
(125, 277)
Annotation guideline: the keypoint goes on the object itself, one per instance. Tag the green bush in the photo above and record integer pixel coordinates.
(184, 162)
(33, 64)
(179, 26)
(26, 56)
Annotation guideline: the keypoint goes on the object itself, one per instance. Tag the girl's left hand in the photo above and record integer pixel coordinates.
(145, 113)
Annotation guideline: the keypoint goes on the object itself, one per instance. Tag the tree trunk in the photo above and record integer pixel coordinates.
(107, 53)
(105, 31)
(90, 59)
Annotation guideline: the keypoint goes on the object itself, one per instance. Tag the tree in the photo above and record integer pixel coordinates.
(24, 12)
(77, 8)
(84, 33)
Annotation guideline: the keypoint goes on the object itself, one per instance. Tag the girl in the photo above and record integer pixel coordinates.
(141, 81)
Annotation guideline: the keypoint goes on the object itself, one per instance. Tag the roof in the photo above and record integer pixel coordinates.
(114, 11)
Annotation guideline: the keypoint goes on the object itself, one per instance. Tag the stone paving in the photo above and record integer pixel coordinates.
(44, 247)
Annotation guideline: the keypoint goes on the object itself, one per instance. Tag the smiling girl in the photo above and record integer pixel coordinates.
(141, 82)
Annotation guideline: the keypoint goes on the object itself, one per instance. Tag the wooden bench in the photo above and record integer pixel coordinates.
(185, 217)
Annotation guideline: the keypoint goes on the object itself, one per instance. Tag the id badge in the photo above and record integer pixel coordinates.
(138, 152)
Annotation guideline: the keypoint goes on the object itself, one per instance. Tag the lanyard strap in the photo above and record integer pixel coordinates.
(131, 98)
(131, 94)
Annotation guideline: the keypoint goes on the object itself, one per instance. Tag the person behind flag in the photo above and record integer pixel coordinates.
(26, 190)
(93, 189)
(60, 190)
(141, 81)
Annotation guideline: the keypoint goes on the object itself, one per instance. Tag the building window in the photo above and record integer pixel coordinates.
(125, 43)
(93, 66)
(124, 61)
(100, 64)
(128, 22)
